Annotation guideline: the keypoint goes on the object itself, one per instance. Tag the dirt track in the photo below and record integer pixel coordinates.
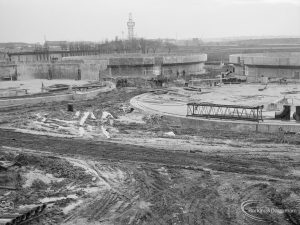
(195, 177)
(115, 151)
(156, 183)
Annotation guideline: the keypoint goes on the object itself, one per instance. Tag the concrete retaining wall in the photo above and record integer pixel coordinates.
(184, 59)
(188, 68)
(7, 70)
(274, 65)
(211, 124)
(59, 70)
(27, 71)
(272, 61)
(271, 72)
(238, 126)
(96, 67)
(130, 71)
(148, 71)
(36, 100)
(92, 94)
(94, 70)
(64, 71)
(131, 61)
(269, 59)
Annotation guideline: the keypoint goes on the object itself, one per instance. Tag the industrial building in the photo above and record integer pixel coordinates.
(272, 65)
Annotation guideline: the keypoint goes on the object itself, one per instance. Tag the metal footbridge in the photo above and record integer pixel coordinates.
(236, 112)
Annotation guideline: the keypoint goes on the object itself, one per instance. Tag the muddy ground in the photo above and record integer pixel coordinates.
(150, 171)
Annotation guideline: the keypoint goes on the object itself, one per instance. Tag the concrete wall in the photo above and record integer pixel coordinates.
(184, 59)
(217, 124)
(97, 67)
(239, 70)
(145, 66)
(274, 65)
(56, 98)
(94, 93)
(29, 71)
(258, 72)
(270, 59)
(37, 100)
(7, 71)
(238, 126)
(148, 71)
(94, 69)
(64, 71)
(130, 71)
(60, 70)
(131, 61)
(188, 68)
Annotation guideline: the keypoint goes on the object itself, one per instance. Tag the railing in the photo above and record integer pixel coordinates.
(237, 112)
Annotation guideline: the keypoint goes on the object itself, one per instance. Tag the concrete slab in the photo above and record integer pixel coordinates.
(176, 110)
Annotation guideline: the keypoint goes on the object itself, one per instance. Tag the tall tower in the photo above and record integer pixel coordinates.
(130, 25)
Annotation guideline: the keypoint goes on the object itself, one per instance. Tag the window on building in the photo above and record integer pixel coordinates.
(297, 74)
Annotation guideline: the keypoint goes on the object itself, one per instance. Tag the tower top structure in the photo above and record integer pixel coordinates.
(130, 25)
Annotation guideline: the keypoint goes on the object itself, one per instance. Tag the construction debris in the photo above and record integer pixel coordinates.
(22, 216)
(169, 134)
(105, 132)
(83, 118)
(119, 168)
(92, 115)
(106, 115)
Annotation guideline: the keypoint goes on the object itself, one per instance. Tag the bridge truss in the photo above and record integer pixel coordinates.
(237, 112)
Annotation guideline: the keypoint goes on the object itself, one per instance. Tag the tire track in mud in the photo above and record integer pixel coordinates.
(97, 209)
(108, 203)
(111, 204)
(190, 202)
(122, 152)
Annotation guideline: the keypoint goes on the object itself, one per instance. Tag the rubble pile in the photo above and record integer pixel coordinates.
(60, 168)
(153, 119)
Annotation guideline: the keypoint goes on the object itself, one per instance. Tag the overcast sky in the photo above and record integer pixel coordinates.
(96, 20)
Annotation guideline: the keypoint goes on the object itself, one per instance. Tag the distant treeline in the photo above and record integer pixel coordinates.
(115, 46)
